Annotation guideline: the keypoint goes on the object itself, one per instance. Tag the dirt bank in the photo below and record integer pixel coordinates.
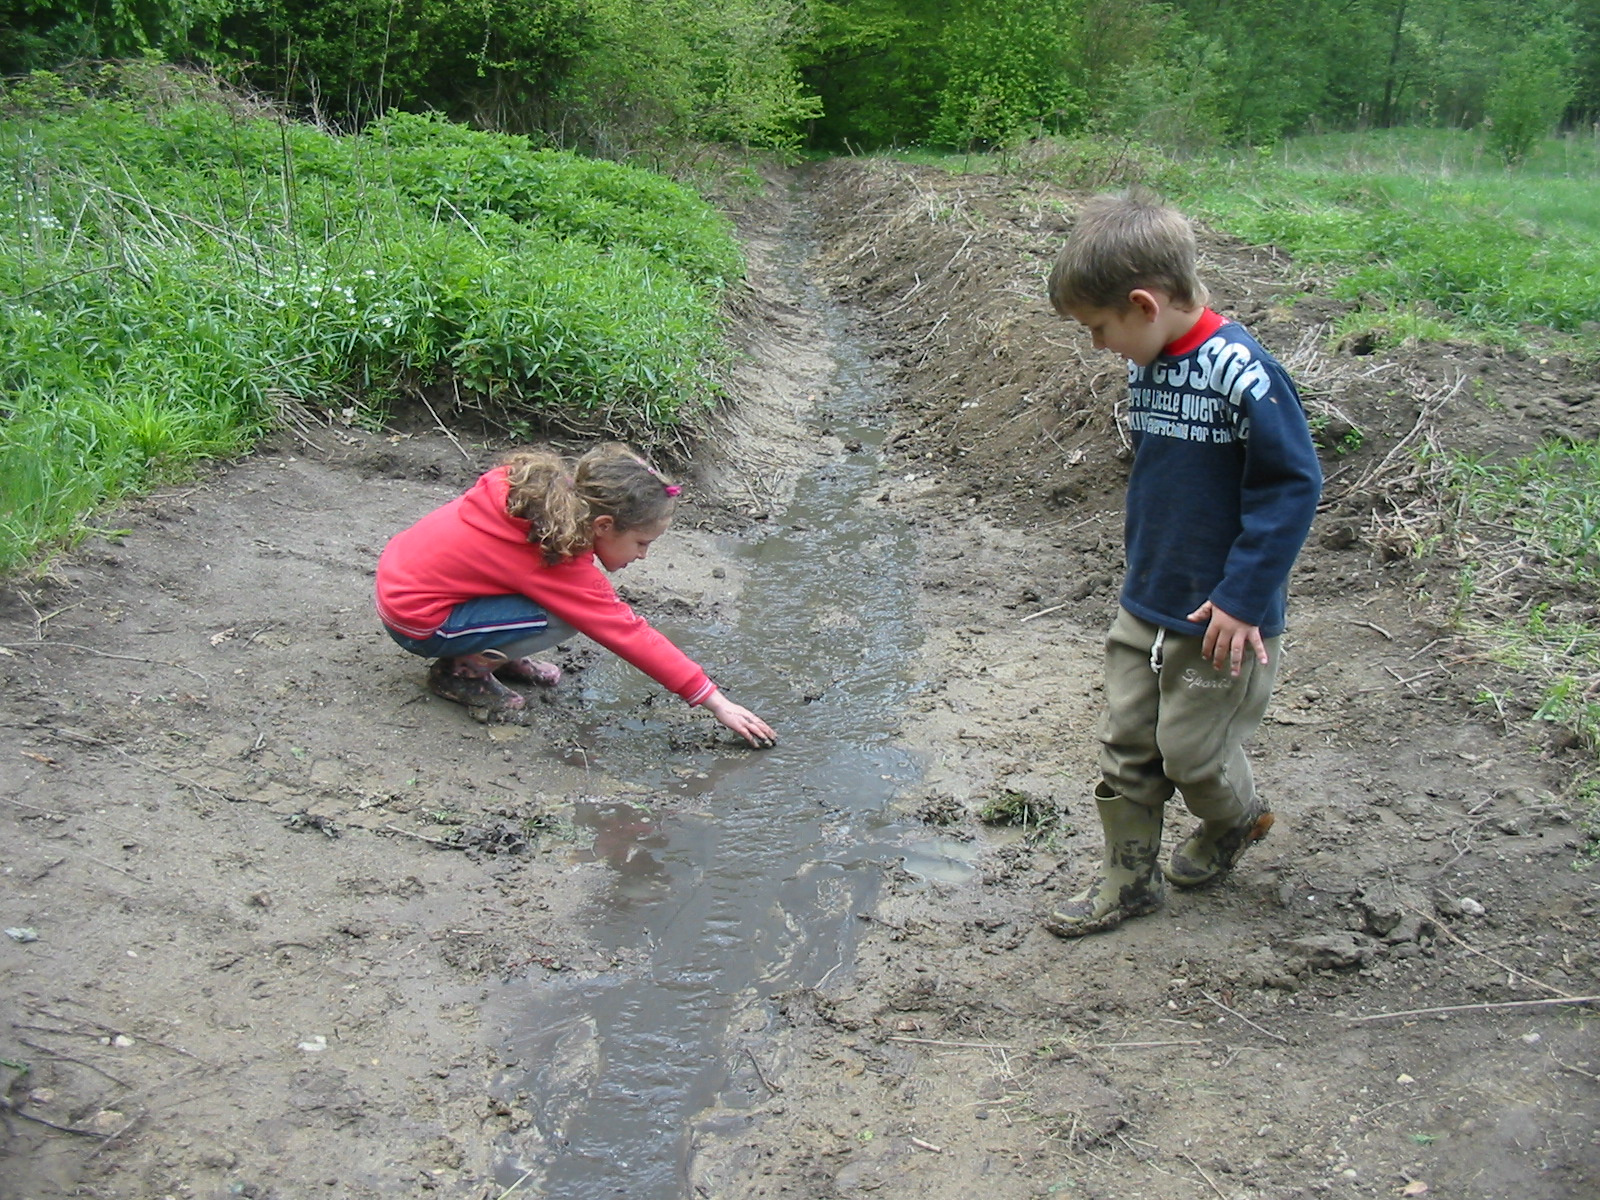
(271, 880)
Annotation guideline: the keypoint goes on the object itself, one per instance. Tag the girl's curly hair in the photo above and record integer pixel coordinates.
(561, 498)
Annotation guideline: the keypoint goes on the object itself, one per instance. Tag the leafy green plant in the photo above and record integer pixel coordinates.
(182, 273)
(1006, 71)
(1533, 88)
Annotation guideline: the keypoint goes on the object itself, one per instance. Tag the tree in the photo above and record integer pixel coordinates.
(1531, 91)
(1008, 68)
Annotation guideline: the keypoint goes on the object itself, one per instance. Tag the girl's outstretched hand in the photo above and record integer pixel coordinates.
(741, 720)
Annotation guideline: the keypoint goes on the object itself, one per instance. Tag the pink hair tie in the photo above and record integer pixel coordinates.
(671, 489)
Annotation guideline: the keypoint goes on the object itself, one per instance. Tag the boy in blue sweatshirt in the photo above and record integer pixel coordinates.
(1224, 485)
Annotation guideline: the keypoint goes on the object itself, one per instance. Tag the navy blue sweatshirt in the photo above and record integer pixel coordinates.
(1224, 485)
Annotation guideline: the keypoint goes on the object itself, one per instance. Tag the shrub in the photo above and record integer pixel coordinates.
(1531, 91)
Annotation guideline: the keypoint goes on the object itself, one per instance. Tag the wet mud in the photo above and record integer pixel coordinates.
(298, 928)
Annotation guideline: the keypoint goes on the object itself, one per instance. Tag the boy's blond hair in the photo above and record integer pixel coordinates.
(1123, 242)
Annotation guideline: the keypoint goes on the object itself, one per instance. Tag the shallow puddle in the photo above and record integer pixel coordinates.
(752, 884)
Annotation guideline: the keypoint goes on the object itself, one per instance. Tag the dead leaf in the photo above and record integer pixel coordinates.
(218, 638)
(40, 758)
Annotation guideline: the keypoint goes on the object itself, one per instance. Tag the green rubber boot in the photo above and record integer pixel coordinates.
(1212, 848)
(1128, 883)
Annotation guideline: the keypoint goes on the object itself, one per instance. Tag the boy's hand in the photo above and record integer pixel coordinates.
(1227, 638)
(741, 720)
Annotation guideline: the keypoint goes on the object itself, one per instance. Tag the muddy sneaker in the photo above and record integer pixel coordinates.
(470, 681)
(1128, 883)
(530, 670)
(1213, 847)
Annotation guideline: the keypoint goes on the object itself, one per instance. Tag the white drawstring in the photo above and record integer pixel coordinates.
(1155, 650)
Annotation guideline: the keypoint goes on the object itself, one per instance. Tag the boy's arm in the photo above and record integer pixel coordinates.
(1279, 486)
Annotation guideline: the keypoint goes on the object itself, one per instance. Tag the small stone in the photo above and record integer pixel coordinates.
(1470, 907)
(314, 1045)
(107, 1120)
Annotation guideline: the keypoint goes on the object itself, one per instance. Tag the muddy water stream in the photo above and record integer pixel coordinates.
(749, 879)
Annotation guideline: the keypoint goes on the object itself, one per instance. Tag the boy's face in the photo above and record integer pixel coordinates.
(1137, 332)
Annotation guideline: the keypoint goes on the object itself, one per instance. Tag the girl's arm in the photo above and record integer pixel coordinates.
(577, 593)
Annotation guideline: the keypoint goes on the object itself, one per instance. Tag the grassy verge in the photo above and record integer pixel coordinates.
(1541, 515)
(1422, 230)
(1427, 235)
(178, 273)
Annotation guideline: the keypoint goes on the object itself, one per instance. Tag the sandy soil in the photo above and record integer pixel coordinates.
(270, 878)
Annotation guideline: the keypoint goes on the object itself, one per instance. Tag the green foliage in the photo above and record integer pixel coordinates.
(1173, 94)
(977, 73)
(616, 75)
(1539, 516)
(180, 276)
(1531, 91)
(495, 61)
(1463, 241)
(613, 75)
(37, 36)
(872, 65)
(1005, 70)
(625, 76)
(666, 71)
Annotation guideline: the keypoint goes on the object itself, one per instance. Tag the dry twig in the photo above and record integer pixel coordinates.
(1485, 1007)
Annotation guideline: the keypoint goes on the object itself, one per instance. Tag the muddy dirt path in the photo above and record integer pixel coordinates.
(303, 930)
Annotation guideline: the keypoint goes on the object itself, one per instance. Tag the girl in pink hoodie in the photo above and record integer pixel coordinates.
(509, 568)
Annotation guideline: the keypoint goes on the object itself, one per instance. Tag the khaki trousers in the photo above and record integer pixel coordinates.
(1174, 722)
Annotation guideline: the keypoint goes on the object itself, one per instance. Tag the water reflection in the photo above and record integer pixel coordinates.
(623, 837)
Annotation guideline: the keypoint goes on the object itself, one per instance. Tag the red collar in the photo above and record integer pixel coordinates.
(1208, 324)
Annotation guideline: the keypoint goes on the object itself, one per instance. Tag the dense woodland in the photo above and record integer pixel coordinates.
(621, 76)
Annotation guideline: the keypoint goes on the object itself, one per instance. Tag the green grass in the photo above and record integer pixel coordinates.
(1041, 822)
(1423, 230)
(1536, 521)
(1424, 224)
(180, 274)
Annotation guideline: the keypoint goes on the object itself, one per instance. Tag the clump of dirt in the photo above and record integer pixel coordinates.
(212, 994)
